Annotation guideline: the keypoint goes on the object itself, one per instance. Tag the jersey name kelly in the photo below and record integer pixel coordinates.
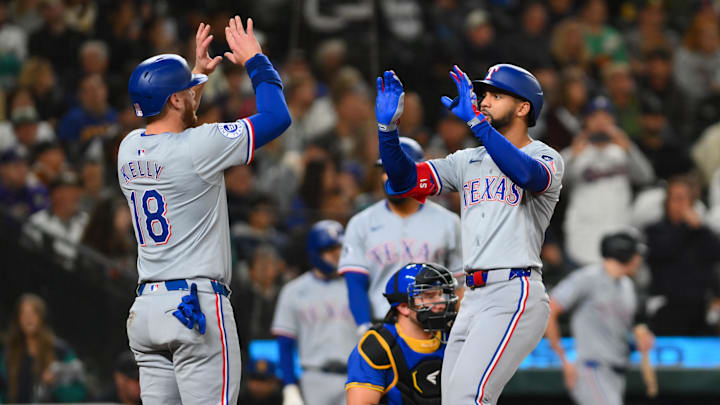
(141, 169)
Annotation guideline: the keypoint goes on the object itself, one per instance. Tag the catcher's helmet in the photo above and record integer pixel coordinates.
(155, 79)
(621, 246)
(433, 285)
(411, 148)
(518, 82)
(323, 235)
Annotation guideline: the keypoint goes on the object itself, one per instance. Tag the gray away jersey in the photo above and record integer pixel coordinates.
(175, 187)
(317, 314)
(378, 243)
(603, 310)
(503, 225)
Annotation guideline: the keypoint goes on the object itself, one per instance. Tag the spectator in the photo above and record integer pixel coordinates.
(603, 42)
(319, 178)
(240, 193)
(564, 118)
(530, 46)
(706, 151)
(38, 78)
(40, 367)
(90, 120)
(452, 135)
(263, 385)
(601, 166)
(481, 50)
(567, 46)
(25, 130)
(26, 14)
(55, 40)
(657, 82)
(258, 293)
(648, 34)
(259, 229)
(559, 10)
(58, 229)
(110, 232)
(412, 124)
(48, 162)
(620, 86)
(682, 253)
(19, 197)
(312, 116)
(126, 382)
(93, 184)
(81, 15)
(354, 113)
(697, 62)
(13, 48)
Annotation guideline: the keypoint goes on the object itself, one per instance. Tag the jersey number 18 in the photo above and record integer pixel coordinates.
(152, 215)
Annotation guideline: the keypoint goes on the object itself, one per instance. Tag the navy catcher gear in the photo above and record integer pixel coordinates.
(155, 79)
(434, 285)
(519, 83)
(324, 235)
(621, 246)
(411, 148)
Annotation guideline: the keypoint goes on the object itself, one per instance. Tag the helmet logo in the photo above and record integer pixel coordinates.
(491, 72)
(138, 110)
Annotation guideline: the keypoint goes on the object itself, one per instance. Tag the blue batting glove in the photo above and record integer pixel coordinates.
(390, 101)
(465, 105)
(189, 313)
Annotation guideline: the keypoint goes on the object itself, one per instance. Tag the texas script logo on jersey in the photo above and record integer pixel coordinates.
(404, 251)
(491, 188)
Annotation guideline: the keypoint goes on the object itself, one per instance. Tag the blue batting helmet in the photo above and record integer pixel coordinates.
(396, 289)
(411, 148)
(518, 82)
(324, 235)
(155, 79)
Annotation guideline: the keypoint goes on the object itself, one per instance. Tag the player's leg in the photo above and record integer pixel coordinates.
(207, 366)
(157, 376)
(509, 321)
(598, 385)
(458, 335)
(320, 388)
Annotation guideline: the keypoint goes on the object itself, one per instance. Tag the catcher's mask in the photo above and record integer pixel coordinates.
(432, 297)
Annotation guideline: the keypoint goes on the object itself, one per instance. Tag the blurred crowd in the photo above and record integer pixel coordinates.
(632, 100)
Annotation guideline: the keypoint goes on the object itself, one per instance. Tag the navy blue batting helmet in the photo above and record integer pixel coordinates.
(155, 79)
(411, 148)
(518, 82)
(324, 235)
(396, 289)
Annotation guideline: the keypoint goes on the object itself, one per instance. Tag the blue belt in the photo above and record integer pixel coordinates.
(182, 284)
(478, 278)
(596, 364)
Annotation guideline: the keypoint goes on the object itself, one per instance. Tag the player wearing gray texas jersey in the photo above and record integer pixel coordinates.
(602, 301)
(509, 188)
(378, 242)
(181, 326)
(313, 314)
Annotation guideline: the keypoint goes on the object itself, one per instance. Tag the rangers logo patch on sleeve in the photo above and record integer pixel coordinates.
(547, 158)
(229, 130)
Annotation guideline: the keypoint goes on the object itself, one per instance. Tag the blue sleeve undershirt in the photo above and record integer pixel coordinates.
(402, 175)
(273, 117)
(522, 169)
(357, 285)
(287, 345)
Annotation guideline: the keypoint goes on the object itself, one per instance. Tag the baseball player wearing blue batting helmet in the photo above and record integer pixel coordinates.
(508, 188)
(313, 315)
(181, 326)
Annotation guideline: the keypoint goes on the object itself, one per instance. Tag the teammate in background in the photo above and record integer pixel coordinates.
(389, 234)
(509, 188)
(399, 361)
(171, 173)
(313, 312)
(603, 304)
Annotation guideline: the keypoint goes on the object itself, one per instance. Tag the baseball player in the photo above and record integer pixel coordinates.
(603, 304)
(509, 188)
(313, 312)
(181, 326)
(389, 234)
(398, 362)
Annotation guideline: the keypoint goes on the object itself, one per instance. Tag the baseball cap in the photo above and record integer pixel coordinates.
(24, 115)
(396, 289)
(11, 155)
(66, 178)
(262, 369)
(599, 103)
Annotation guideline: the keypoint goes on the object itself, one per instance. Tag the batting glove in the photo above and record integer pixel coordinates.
(465, 105)
(390, 101)
(189, 313)
(291, 395)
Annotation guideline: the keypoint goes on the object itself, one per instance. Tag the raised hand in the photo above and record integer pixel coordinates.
(390, 101)
(203, 62)
(464, 106)
(243, 44)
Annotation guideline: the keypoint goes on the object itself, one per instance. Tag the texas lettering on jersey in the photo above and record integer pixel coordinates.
(404, 251)
(491, 188)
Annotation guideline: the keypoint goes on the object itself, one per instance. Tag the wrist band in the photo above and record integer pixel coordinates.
(387, 128)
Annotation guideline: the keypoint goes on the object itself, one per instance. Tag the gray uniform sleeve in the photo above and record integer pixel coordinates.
(215, 147)
(555, 166)
(284, 321)
(448, 172)
(353, 258)
(571, 290)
